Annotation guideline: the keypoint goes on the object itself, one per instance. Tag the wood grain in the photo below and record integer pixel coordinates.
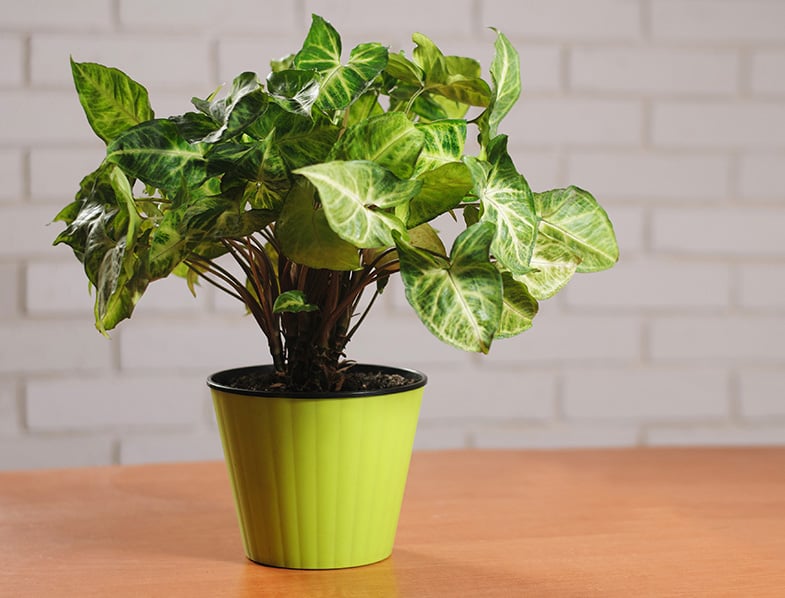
(644, 522)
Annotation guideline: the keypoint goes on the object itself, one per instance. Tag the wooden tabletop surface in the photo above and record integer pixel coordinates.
(643, 522)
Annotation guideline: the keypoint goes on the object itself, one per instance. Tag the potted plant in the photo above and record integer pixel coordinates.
(300, 196)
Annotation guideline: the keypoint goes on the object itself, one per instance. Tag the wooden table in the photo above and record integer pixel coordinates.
(474, 523)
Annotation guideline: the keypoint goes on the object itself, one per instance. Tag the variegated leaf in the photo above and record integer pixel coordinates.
(553, 264)
(293, 302)
(155, 153)
(294, 90)
(518, 308)
(442, 190)
(507, 203)
(112, 101)
(391, 140)
(459, 300)
(355, 196)
(573, 218)
(506, 76)
(443, 142)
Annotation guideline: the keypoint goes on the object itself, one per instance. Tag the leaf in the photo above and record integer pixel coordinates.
(442, 190)
(155, 153)
(244, 103)
(459, 300)
(354, 196)
(404, 70)
(553, 265)
(506, 76)
(305, 236)
(573, 218)
(506, 203)
(364, 107)
(340, 84)
(294, 90)
(292, 302)
(112, 101)
(443, 142)
(518, 308)
(391, 140)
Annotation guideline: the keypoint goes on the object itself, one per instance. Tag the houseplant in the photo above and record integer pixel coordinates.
(318, 184)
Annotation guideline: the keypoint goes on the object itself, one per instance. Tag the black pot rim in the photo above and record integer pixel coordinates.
(218, 381)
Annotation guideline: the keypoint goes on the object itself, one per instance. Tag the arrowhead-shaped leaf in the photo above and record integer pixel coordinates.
(112, 101)
(442, 190)
(553, 264)
(355, 196)
(296, 91)
(573, 218)
(340, 84)
(305, 235)
(518, 308)
(155, 153)
(391, 140)
(507, 203)
(506, 76)
(459, 300)
(245, 102)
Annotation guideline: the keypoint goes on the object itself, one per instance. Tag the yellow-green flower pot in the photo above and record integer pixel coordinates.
(318, 479)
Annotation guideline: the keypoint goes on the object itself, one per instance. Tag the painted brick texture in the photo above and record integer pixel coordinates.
(671, 112)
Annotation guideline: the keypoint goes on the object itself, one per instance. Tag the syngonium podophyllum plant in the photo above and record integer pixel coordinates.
(320, 182)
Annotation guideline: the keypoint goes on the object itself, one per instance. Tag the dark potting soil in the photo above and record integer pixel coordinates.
(353, 381)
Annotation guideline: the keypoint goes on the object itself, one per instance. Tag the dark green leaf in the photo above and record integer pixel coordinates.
(295, 90)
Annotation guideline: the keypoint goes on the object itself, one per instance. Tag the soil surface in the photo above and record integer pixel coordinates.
(353, 381)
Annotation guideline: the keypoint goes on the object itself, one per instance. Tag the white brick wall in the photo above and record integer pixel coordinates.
(672, 112)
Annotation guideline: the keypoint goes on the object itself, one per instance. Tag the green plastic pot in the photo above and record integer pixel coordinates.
(318, 479)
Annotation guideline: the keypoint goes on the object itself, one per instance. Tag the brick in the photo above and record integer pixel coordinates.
(45, 452)
(385, 22)
(12, 54)
(716, 435)
(542, 169)
(629, 225)
(254, 17)
(762, 394)
(150, 15)
(55, 173)
(652, 70)
(170, 295)
(559, 338)
(564, 19)
(30, 234)
(431, 436)
(718, 124)
(75, 15)
(238, 55)
(646, 394)
(567, 121)
(759, 176)
(44, 346)
(57, 288)
(57, 117)
(719, 231)
(766, 75)
(155, 62)
(734, 339)
(642, 284)
(650, 176)
(708, 20)
(485, 393)
(12, 175)
(84, 404)
(762, 286)
(10, 418)
(147, 448)
(557, 435)
(202, 345)
(9, 291)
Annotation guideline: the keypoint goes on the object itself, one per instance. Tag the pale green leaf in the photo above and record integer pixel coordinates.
(355, 196)
(459, 300)
(573, 218)
(553, 264)
(505, 73)
(518, 308)
(390, 140)
(443, 142)
(442, 190)
(112, 101)
(507, 204)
